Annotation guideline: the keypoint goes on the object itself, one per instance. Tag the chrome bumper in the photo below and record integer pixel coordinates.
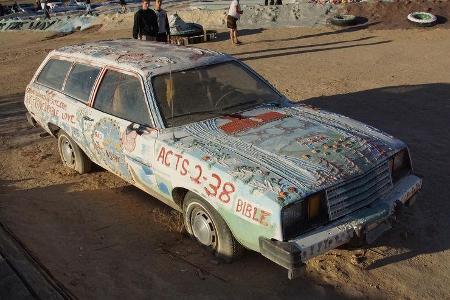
(367, 224)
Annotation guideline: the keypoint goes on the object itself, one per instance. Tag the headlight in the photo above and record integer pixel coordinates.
(400, 165)
(300, 216)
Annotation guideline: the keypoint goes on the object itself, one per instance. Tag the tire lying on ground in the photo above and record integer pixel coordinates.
(343, 20)
(421, 18)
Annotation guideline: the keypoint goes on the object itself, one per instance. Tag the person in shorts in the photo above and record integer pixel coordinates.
(234, 13)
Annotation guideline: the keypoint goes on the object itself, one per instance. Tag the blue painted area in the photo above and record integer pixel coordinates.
(147, 170)
(142, 173)
(111, 149)
(163, 188)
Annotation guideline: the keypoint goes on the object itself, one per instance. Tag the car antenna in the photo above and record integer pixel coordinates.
(171, 99)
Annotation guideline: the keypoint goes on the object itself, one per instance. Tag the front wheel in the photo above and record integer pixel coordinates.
(204, 224)
(71, 154)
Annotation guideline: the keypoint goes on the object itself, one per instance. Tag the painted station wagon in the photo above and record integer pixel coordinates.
(204, 133)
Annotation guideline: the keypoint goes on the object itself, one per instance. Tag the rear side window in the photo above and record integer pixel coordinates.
(121, 95)
(80, 81)
(54, 73)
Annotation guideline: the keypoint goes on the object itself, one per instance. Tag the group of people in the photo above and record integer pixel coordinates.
(43, 5)
(15, 8)
(152, 25)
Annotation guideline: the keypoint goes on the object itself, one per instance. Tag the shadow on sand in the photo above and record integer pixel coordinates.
(225, 35)
(361, 25)
(120, 243)
(418, 115)
(297, 52)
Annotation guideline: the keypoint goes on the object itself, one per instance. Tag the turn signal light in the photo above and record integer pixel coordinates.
(314, 206)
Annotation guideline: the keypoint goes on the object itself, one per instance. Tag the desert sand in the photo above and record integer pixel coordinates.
(102, 238)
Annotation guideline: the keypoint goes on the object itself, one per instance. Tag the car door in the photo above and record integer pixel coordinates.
(61, 94)
(77, 91)
(121, 132)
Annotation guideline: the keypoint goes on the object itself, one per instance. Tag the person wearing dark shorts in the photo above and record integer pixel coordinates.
(234, 13)
(231, 22)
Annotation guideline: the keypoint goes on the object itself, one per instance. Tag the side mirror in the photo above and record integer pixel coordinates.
(140, 129)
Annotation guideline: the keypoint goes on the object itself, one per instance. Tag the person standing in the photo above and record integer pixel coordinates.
(123, 6)
(38, 5)
(234, 13)
(15, 7)
(145, 23)
(88, 6)
(46, 9)
(163, 23)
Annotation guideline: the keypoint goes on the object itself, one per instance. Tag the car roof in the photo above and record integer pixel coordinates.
(145, 57)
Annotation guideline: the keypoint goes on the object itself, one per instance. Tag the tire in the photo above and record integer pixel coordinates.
(343, 20)
(423, 19)
(204, 224)
(71, 154)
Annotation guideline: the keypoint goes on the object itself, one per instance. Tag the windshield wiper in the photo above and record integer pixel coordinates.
(238, 105)
(215, 113)
(203, 112)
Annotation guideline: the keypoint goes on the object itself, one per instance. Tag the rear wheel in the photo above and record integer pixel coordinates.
(71, 155)
(204, 224)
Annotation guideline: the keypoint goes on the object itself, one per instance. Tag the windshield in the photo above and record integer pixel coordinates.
(202, 93)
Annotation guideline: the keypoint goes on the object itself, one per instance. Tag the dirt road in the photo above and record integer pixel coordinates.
(105, 239)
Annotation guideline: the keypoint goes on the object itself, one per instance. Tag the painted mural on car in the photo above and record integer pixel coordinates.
(249, 165)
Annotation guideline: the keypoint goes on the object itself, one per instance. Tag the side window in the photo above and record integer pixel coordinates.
(54, 73)
(121, 95)
(80, 81)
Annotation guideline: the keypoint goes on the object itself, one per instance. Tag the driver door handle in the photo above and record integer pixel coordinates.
(86, 118)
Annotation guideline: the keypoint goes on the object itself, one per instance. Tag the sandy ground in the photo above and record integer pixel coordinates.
(392, 14)
(102, 238)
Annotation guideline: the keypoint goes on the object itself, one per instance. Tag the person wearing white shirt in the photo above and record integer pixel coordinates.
(234, 13)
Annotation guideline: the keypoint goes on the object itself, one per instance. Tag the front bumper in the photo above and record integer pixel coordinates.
(31, 120)
(365, 224)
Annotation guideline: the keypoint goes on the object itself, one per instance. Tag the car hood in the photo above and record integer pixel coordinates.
(295, 149)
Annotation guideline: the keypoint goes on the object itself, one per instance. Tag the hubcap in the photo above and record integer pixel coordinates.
(67, 152)
(203, 227)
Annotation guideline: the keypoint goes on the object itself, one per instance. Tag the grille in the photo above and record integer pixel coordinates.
(359, 191)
